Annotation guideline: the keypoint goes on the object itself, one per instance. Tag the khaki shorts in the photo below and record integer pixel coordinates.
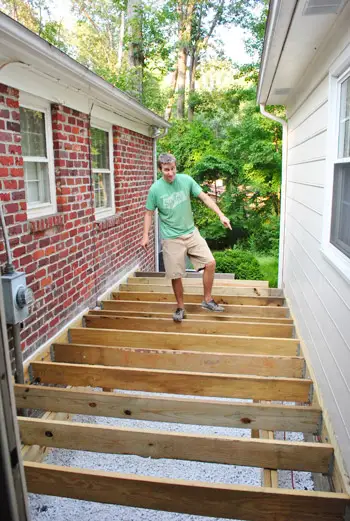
(175, 251)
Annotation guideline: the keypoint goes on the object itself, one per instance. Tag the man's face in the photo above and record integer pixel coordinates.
(169, 172)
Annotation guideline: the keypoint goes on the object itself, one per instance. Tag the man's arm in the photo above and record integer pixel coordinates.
(146, 228)
(210, 204)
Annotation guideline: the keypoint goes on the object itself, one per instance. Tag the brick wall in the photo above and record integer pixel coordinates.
(69, 258)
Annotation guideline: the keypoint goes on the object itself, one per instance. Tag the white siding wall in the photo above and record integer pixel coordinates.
(318, 294)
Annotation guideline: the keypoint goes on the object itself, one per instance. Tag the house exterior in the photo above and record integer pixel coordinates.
(306, 67)
(77, 157)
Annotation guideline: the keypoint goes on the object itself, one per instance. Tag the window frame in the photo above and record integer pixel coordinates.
(102, 213)
(338, 73)
(35, 210)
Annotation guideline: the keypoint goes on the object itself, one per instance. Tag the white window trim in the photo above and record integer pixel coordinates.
(103, 213)
(339, 70)
(31, 102)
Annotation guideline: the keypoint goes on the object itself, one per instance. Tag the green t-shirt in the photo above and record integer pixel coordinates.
(173, 201)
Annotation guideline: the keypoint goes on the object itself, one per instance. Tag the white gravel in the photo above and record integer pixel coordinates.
(45, 508)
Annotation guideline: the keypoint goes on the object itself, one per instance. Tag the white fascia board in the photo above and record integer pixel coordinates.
(23, 45)
(278, 23)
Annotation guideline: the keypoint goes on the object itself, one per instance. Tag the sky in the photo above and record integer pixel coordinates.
(233, 38)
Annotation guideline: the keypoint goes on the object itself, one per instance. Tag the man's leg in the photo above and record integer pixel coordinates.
(178, 291)
(200, 255)
(208, 280)
(179, 313)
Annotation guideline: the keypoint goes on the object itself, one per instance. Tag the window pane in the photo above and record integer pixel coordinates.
(36, 178)
(340, 230)
(102, 190)
(99, 148)
(33, 132)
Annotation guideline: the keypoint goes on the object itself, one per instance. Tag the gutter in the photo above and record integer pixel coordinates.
(157, 135)
(283, 190)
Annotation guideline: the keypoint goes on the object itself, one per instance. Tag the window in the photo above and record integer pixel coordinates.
(340, 225)
(336, 238)
(35, 120)
(102, 169)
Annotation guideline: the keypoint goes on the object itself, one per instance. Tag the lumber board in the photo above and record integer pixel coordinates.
(262, 365)
(168, 409)
(149, 443)
(193, 289)
(197, 299)
(209, 317)
(255, 311)
(190, 274)
(190, 497)
(270, 477)
(190, 281)
(173, 382)
(197, 326)
(185, 341)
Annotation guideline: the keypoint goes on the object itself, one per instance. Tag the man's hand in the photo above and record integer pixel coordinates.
(144, 242)
(225, 221)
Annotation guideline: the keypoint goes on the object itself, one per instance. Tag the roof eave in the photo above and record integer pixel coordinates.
(45, 54)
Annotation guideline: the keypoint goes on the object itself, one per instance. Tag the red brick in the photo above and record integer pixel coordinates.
(6, 160)
(12, 103)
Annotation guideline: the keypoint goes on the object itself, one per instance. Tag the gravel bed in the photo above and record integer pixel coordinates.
(45, 508)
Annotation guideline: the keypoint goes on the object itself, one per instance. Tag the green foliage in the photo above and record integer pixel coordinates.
(242, 263)
(265, 238)
(269, 269)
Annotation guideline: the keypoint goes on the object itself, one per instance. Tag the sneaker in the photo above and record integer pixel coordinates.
(212, 306)
(179, 315)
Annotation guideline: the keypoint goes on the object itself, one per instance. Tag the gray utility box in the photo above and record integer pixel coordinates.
(16, 297)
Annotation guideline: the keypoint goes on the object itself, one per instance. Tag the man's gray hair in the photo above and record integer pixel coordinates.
(164, 159)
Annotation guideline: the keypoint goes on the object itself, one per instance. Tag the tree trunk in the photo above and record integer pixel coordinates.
(167, 112)
(181, 81)
(135, 48)
(193, 70)
(121, 40)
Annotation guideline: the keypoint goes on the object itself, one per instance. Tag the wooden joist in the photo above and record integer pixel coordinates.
(189, 275)
(209, 317)
(197, 299)
(168, 409)
(191, 307)
(189, 326)
(173, 382)
(194, 289)
(191, 497)
(152, 358)
(312, 457)
(191, 281)
(185, 341)
(262, 365)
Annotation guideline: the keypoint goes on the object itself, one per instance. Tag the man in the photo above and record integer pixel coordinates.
(171, 194)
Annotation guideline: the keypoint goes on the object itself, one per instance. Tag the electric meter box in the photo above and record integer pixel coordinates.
(17, 297)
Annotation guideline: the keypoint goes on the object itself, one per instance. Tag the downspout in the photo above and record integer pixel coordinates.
(157, 134)
(283, 190)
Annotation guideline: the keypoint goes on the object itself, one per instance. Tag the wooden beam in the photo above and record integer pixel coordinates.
(169, 307)
(189, 326)
(234, 283)
(270, 477)
(185, 341)
(262, 365)
(209, 317)
(197, 299)
(193, 289)
(171, 410)
(173, 382)
(189, 497)
(189, 275)
(312, 457)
